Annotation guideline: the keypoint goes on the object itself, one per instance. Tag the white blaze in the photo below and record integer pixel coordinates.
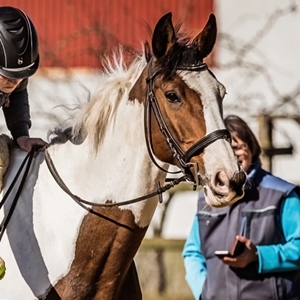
(211, 92)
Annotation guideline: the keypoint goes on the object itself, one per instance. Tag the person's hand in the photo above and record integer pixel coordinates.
(26, 143)
(248, 256)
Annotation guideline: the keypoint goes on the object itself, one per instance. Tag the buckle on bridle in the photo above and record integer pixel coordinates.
(195, 174)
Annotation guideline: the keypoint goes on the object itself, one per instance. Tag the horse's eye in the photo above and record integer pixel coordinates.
(172, 97)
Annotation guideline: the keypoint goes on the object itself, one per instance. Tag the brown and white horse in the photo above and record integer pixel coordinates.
(165, 108)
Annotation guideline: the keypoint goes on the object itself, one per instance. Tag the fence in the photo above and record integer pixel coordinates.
(161, 270)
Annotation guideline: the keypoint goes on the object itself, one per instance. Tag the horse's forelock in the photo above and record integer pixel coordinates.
(183, 53)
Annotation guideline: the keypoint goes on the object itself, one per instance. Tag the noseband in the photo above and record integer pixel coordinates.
(184, 158)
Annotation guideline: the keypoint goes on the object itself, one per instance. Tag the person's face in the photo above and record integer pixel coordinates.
(8, 85)
(242, 151)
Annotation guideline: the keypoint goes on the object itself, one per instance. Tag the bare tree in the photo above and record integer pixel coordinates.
(240, 59)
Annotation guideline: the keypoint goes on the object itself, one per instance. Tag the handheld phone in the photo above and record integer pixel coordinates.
(237, 247)
(236, 250)
(222, 253)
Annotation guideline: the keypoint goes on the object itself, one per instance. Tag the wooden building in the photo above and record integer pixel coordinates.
(75, 33)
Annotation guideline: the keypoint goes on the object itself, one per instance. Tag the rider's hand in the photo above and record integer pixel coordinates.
(248, 256)
(26, 143)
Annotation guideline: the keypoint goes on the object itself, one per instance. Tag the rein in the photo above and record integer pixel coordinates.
(28, 159)
(184, 158)
(7, 218)
(160, 189)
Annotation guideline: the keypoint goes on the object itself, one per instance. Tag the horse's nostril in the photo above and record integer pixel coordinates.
(220, 184)
(221, 179)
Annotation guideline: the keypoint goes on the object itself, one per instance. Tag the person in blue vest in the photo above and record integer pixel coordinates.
(19, 59)
(265, 222)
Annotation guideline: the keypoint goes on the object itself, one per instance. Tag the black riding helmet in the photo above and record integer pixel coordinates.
(19, 56)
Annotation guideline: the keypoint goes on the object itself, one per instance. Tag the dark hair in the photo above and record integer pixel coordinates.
(238, 126)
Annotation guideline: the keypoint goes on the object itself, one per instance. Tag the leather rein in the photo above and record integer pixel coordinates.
(182, 157)
(160, 189)
(7, 217)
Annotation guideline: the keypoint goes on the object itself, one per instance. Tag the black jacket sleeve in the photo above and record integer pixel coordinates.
(17, 114)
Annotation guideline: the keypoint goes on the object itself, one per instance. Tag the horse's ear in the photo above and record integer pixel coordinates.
(163, 36)
(207, 37)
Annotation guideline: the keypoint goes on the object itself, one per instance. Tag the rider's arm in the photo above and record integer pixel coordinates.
(17, 113)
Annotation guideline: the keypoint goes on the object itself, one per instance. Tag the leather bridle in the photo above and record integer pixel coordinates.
(183, 157)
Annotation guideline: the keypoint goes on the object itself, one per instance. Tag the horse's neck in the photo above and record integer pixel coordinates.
(120, 170)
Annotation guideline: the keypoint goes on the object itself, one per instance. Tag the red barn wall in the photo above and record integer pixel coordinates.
(75, 33)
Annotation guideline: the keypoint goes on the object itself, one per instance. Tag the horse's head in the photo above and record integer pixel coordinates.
(184, 112)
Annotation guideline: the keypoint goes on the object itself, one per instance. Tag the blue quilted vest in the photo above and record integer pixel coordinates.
(260, 208)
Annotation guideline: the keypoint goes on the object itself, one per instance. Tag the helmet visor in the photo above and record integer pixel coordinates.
(23, 72)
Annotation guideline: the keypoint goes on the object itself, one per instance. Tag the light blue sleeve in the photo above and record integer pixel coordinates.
(284, 257)
(194, 261)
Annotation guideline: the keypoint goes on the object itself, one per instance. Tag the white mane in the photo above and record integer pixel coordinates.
(94, 115)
